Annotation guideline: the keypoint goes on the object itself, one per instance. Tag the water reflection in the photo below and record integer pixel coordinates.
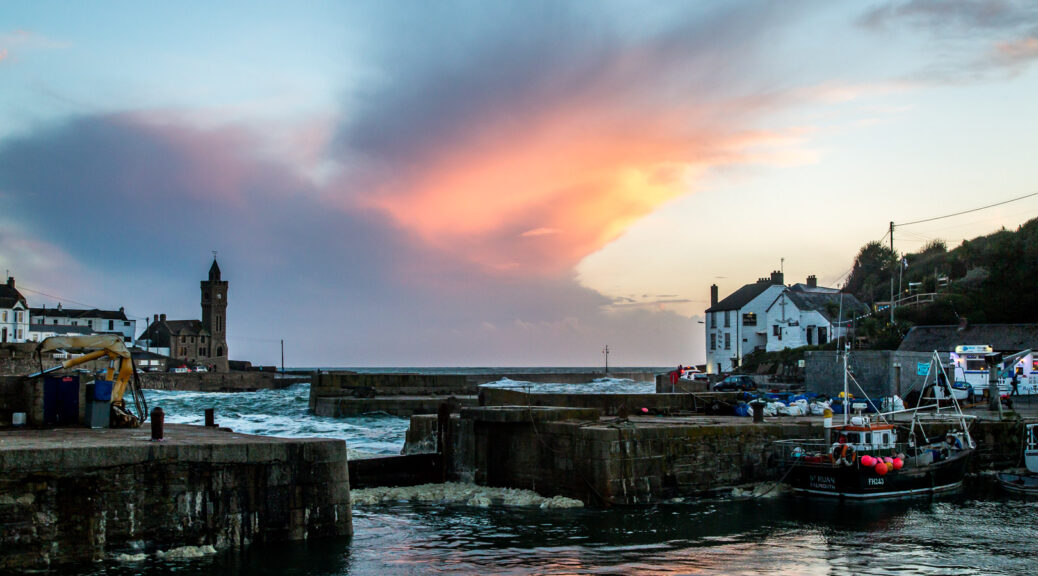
(783, 536)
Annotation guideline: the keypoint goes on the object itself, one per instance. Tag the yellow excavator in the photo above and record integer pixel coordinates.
(120, 371)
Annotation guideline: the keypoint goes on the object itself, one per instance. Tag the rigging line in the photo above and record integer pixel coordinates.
(967, 211)
(58, 298)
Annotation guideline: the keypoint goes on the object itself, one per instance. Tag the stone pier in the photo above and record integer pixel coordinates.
(637, 460)
(76, 495)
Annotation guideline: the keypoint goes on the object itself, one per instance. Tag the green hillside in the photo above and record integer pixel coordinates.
(990, 279)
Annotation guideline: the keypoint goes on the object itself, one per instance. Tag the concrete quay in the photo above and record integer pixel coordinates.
(73, 495)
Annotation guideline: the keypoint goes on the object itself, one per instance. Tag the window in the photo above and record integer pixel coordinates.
(822, 335)
(55, 321)
(18, 334)
(183, 339)
(852, 437)
(776, 331)
(976, 365)
(111, 324)
(727, 318)
(868, 437)
(5, 315)
(126, 323)
(713, 341)
(749, 319)
(727, 341)
(18, 317)
(713, 319)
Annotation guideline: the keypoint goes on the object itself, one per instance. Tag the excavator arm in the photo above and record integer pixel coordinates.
(120, 370)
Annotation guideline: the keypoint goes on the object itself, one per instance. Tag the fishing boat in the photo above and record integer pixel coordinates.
(1024, 484)
(863, 458)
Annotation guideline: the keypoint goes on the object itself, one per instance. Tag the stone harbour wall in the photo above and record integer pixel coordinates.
(612, 463)
(83, 504)
(215, 381)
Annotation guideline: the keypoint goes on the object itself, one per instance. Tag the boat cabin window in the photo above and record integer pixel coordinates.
(868, 437)
(886, 439)
(853, 438)
(977, 365)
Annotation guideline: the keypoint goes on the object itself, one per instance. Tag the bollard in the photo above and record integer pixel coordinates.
(210, 417)
(758, 411)
(158, 419)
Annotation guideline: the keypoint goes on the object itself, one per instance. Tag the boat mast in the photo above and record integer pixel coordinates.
(846, 395)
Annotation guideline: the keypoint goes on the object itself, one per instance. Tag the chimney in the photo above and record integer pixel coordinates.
(10, 281)
(59, 306)
(812, 281)
(713, 294)
(776, 277)
(162, 317)
(155, 319)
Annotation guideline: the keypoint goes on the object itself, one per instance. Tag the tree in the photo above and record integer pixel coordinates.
(871, 273)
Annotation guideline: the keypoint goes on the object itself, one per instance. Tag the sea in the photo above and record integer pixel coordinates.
(949, 535)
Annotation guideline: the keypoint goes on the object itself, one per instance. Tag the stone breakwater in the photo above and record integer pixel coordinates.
(76, 495)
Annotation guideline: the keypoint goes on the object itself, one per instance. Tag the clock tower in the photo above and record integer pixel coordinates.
(214, 317)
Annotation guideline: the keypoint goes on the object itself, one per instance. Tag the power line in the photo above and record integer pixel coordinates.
(967, 211)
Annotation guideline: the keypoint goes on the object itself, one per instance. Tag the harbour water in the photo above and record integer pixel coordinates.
(952, 535)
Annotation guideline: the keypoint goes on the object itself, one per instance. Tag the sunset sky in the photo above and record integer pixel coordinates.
(492, 183)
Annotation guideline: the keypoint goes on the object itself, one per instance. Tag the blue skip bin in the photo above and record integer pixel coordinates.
(103, 390)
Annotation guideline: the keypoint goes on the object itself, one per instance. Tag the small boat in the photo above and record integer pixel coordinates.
(1024, 484)
(863, 459)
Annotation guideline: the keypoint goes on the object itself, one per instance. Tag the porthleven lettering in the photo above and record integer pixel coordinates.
(822, 482)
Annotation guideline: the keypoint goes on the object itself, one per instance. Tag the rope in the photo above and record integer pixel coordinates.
(777, 482)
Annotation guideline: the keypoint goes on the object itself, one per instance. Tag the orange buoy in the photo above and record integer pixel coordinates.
(881, 468)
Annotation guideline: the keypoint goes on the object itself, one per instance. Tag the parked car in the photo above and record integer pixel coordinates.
(180, 370)
(736, 384)
(201, 369)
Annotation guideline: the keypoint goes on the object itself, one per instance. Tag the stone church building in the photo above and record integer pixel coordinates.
(197, 342)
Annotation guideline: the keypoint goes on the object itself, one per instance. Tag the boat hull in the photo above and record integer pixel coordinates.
(1021, 484)
(857, 482)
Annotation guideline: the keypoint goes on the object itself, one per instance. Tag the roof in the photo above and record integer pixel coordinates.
(801, 287)
(176, 328)
(214, 271)
(743, 296)
(1001, 337)
(139, 354)
(75, 313)
(828, 304)
(9, 296)
(59, 329)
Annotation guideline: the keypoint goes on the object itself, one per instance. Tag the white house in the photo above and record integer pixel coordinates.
(93, 321)
(809, 315)
(768, 315)
(14, 314)
(736, 325)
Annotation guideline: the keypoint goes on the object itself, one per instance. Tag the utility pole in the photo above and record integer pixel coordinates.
(892, 256)
(282, 356)
(606, 352)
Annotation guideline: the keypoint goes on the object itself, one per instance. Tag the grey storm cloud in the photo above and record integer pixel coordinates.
(449, 69)
(137, 201)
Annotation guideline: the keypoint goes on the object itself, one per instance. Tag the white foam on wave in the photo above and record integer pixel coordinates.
(604, 385)
(460, 493)
(283, 413)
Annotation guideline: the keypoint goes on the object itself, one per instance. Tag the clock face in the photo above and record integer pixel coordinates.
(219, 296)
